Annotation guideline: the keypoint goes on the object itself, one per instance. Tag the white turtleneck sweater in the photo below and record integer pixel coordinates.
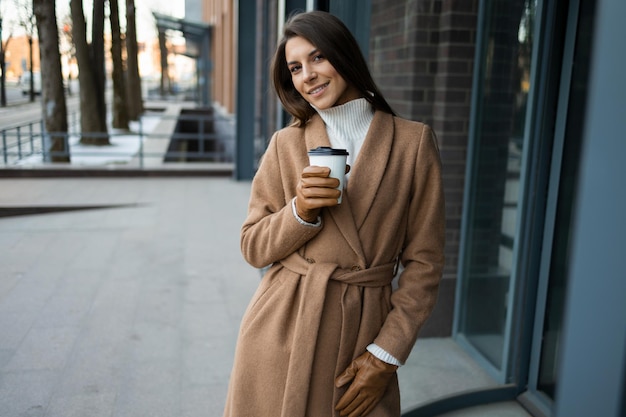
(347, 126)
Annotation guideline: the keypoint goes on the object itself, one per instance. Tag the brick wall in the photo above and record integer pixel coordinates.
(421, 56)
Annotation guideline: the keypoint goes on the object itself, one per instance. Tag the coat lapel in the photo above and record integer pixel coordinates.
(365, 176)
(369, 168)
(315, 133)
(342, 215)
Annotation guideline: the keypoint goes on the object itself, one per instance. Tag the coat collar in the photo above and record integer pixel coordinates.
(365, 176)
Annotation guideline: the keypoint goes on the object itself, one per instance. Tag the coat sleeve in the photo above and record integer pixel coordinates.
(422, 254)
(271, 231)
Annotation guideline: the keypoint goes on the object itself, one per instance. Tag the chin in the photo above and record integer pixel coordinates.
(323, 106)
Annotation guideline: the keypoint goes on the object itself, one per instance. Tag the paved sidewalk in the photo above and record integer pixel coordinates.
(125, 311)
(133, 310)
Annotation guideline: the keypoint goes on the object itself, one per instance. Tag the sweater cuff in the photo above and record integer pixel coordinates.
(318, 223)
(382, 354)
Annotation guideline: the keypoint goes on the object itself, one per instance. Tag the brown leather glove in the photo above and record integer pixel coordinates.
(370, 377)
(316, 190)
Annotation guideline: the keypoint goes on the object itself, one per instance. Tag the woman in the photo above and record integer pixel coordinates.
(325, 333)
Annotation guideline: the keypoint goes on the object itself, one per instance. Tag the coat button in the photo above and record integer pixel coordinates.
(310, 260)
(356, 268)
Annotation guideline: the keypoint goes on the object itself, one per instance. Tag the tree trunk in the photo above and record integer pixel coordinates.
(3, 80)
(30, 63)
(97, 56)
(165, 85)
(93, 132)
(120, 110)
(69, 83)
(3, 48)
(52, 96)
(3, 67)
(135, 102)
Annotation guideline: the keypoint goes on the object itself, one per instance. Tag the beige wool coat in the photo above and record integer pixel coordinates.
(328, 293)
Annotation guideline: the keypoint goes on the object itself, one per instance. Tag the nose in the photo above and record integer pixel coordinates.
(309, 74)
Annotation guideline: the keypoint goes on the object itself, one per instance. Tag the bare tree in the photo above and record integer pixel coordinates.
(94, 132)
(120, 110)
(53, 98)
(135, 101)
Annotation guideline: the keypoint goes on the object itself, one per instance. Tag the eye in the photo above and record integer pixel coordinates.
(318, 57)
(294, 69)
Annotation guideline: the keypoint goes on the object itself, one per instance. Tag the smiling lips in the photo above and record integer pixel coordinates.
(318, 89)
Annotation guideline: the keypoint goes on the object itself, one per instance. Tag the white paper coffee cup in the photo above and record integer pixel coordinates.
(335, 159)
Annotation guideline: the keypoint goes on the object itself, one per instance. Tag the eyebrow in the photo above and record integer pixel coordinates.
(313, 52)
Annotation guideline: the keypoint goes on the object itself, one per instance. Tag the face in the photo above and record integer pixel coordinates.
(314, 77)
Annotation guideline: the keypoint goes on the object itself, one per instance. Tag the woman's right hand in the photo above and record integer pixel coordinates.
(314, 191)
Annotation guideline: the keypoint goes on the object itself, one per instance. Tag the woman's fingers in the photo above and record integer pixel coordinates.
(314, 176)
(318, 182)
(314, 191)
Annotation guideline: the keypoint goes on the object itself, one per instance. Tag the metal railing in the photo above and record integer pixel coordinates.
(16, 144)
(155, 140)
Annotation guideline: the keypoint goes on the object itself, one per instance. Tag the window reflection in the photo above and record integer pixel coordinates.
(558, 274)
(506, 64)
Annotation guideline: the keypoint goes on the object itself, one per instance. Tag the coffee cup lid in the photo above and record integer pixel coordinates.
(325, 150)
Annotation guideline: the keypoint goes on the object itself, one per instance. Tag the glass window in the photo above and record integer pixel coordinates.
(552, 321)
(488, 262)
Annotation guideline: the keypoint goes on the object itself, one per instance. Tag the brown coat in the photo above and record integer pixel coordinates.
(328, 293)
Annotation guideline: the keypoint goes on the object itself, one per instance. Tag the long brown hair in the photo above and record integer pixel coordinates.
(335, 41)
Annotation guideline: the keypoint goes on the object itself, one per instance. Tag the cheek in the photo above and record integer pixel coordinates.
(301, 90)
(296, 83)
(339, 80)
(342, 86)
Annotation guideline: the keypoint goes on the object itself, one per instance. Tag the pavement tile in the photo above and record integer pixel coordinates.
(149, 388)
(5, 356)
(94, 369)
(92, 405)
(44, 349)
(15, 326)
(203, 400)
(28, 295)
(26, 394)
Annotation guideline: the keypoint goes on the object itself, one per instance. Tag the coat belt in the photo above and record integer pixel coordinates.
(315, 277)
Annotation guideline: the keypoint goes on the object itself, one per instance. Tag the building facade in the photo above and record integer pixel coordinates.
(17, 56)
(221, 18)
(525, 97)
